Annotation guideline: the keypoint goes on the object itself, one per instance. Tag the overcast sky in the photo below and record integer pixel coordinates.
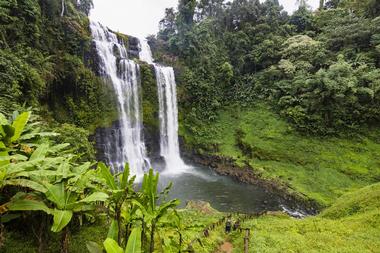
(140, 17)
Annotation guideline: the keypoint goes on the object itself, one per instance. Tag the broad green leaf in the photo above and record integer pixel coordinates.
(61, 219)
(134, 242)
(162, 210)
(124, 177)
(96, 196)
(3, 173)
(2, 132)
(28, 205)
(19, 158)
(9, 132)
(19, 125)
(40, 152)
(111, 246)
(2, 145)
(113, 230)
(27, 184)
(93, 247)
(4, 157)
(58, 148)
(106, 174)
(56, 194)
(3, 120)
(82, 168)
(64, 169)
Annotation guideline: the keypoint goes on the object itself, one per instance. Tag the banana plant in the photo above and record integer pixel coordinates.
(120, 189)
(66, 195)
(152, 206)
(111, 246)
(20, 154)
(174, 221)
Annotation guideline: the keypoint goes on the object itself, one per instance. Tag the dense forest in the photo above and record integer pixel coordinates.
(286, 101)
(319, 70)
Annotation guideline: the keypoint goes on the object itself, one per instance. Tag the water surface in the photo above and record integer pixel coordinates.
(222, 192)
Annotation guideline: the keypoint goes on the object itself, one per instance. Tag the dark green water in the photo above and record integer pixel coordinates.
(222, 192)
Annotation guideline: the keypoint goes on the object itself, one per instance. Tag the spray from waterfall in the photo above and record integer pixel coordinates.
(168, 112)
(124, 76)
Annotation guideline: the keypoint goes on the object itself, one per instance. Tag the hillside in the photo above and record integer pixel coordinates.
(352, 224)
(321, 168)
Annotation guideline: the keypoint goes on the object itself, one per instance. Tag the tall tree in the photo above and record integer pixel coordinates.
(302, 3)
(168, 24)
(321, 4)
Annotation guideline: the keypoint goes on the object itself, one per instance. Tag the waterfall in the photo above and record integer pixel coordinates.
(123, 73)
(168, 111)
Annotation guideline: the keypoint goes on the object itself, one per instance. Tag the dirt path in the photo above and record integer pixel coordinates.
(226, 247)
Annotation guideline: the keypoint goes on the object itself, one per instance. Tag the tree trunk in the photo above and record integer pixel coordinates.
(41, 234)
(180, 241)
(63, 8)
(151, 248)
(143, 237)
(321, 4)
(65, 240)
(127, 232)
(2, 235)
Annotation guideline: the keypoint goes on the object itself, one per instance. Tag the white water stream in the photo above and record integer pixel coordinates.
(124, 76)
(168, 112)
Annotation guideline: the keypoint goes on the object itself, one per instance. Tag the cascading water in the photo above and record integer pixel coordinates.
(128, 143)
(168, 111)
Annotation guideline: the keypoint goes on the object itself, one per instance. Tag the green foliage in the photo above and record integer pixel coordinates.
(42, 177)
(133, 246)
(153, 207)
(320, 168)
(293, 61)
(78, 138)
(120, 190)
(45, 61)
(358, 202)
(339, 228)
(38, 177)
(149, 98)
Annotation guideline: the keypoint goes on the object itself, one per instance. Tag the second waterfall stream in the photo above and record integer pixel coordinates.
(168, 112)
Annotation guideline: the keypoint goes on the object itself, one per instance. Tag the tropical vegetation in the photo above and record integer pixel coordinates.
(294, 97)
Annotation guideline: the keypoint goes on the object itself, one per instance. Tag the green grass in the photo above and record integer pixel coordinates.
(351, 225)
(321, 168)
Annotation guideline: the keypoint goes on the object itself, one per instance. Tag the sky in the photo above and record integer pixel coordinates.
(141, 17)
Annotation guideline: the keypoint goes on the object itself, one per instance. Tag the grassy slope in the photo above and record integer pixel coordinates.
(351, 225)
(323, 169)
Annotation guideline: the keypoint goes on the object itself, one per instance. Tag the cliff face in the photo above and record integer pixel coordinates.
(104, 136)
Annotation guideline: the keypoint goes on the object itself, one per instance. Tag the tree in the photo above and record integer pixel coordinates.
(209, 8)
(152, 206)
(120, 189)
(302, 19)
(167, 25)
(302, 3)
(186, 11)
(85, 6)
(321, 4)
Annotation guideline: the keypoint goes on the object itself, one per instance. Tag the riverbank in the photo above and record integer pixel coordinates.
(256, 145)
